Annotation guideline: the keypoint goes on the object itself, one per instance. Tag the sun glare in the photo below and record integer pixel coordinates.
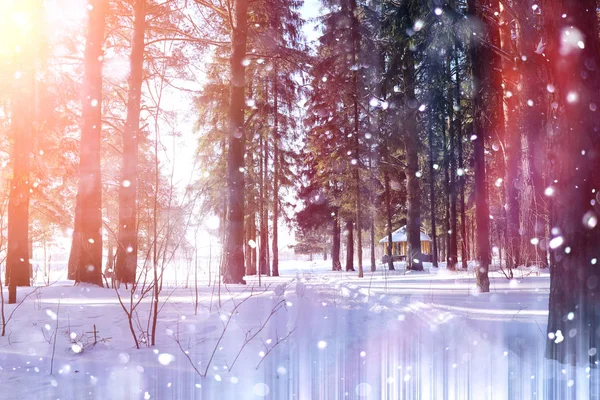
(15, 25)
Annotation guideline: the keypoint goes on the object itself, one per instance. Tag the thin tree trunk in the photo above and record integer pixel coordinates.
(461, 178)
(276, 167)
(126, 262)
(453, 231)
(349, 245)
(413, 225)
(250, 225)
(234, 247)
(372, 212)
(86, 248)
(267, 270)
(262, 252)
(447, 199)
(388, 215)
(336, 265)
(434, 256)
(358, 205)
(372, 243)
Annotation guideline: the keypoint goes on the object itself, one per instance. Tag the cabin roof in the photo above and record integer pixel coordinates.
(399, 235)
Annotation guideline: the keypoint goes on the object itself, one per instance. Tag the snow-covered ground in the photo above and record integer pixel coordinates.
(308, 334)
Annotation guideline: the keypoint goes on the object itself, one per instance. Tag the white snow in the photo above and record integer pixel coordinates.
(325, 335)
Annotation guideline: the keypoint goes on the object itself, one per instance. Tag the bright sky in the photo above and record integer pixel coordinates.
(311, 9)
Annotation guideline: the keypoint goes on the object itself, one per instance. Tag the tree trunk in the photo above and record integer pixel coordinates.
(514, 108)
(22, 115)
(372, 244)
(356, 161)
(413, 223)
(86, 248)
(535, 121)
(372, 211)
(234, 246)
(250, 241)
(126, 261)
(447, 195)
(453, 231)
(574, 277)
(109, 269)
(461, 177)
(276, 167)
(481, 60)
(434, 251)
(336, 265)
(264, 236)
(349, 245)
(388, 215)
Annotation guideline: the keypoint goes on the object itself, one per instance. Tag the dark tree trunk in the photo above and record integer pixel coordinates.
(574, 276)
(349, 245)
(234, 246)
(126, 262)
(388, 216)
(263, 265)
(481, 60)
(358, 204)
(336, 265)
(21, 132)
(447, 196)
(250, 242)
(434, 257)
(452, 232)
(276, 166)
(372, 211)
(413, 222)
(372, 243)
(86, 247)
(514, 108)
(461, 177)
(535, 121)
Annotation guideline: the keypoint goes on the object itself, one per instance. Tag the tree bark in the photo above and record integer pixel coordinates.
(349, 245)
(388, 215)
(276, 167)
(461, 178)
(453, 231)
(336, 265)
(251, 237)
(447, 196)
(264, 235)
(21, 132)
(574, 277)
(126, 260)
(434, 256)
(514, 107)
(356, 172)
(234, 246)
(535, 121)
(86, 248)
(413, 223)
(481, 61)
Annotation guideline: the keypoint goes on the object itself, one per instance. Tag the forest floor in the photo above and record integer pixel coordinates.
(308, 334)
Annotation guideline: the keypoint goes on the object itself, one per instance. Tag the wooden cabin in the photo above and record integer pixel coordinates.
(399, 245)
